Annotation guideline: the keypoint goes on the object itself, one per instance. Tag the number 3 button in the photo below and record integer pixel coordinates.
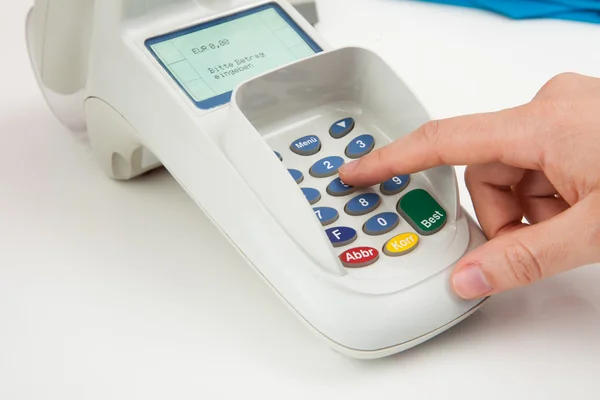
(360, 146)
(326, 167)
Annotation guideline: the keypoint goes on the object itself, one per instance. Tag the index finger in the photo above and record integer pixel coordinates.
(507, 136)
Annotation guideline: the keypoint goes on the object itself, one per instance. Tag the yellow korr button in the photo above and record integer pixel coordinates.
(401, 244)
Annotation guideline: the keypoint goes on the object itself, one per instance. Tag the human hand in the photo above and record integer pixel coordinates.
(539, 161)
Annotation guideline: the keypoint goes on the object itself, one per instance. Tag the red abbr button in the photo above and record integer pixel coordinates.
(359, 257)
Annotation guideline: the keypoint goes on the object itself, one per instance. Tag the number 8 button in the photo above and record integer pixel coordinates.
(363, 204)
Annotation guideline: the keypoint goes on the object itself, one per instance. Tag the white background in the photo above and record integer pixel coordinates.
(124, 290)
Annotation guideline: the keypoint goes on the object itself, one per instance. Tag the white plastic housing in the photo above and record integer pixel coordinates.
(402, 299)
(58, 39)
(222, 160)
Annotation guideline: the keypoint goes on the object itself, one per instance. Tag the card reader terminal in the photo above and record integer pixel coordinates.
(246, 99)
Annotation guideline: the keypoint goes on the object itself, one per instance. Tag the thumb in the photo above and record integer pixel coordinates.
(528, 254)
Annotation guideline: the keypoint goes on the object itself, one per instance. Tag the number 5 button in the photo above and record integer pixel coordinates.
(360, 146)
(326, 167)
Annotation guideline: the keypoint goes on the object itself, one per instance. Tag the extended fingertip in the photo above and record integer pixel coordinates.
(470, 282)
(348, 171)
(349, 168)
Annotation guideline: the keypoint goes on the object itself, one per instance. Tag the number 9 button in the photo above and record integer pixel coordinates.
(395, 185)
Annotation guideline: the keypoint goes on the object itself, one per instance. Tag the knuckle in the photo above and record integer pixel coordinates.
(434, 139)
(523, 266)
(553, 115)
(563, 79)
(593, 236)
(384, 158)
(430, 132)
(558, 88)
(557, 109)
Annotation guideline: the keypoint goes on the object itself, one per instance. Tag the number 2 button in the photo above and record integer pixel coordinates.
(326, 167)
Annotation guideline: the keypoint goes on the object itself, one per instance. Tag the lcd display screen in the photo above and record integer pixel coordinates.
(209, 60)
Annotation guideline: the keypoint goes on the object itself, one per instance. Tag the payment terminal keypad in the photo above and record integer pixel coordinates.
(366, 225)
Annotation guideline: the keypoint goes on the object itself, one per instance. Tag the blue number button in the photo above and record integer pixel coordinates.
(326, 215)
(312, 195)
(341, 128)
(306, 146)
(363, 204)
(381, 224)
(395, 185)
(326, 167)
(297, 175)
(338, 188)
(341, 236)
(278, 155)
(360, 146)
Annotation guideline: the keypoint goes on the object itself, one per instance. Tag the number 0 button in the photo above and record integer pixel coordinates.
(360, 146)
(326, 167)
(363, 204)
(381, 224)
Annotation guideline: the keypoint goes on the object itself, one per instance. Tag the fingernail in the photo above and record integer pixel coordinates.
(471, 283)
(350, 167)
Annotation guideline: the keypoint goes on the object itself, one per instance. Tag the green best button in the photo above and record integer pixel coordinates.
(422, 212)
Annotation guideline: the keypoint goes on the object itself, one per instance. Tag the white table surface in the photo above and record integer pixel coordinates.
(125, 291)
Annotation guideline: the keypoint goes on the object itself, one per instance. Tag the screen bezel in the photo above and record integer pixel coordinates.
(224, 98)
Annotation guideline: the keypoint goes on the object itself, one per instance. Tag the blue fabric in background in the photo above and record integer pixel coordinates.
(574, 10)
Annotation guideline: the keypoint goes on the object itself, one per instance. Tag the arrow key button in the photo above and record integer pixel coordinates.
(341, 128)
